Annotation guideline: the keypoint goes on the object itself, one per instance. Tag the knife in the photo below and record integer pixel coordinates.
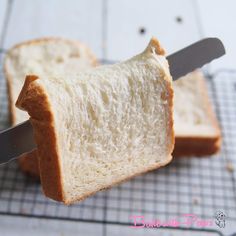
(19, 139)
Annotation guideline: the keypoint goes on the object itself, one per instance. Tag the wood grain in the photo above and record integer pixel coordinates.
(81, 19)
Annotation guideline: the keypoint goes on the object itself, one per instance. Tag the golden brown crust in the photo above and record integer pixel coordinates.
(200, 146)
(33, 99)
(154, 43)
(187, 146)
(28, 163)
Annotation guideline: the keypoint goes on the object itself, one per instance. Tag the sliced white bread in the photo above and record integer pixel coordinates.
(42, 57)
(196, 128)
(102, 126)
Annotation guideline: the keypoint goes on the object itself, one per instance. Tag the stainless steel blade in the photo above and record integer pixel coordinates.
(19, 139)
(15, 141)
(195, 56)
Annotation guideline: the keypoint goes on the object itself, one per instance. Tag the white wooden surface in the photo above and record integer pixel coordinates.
(124, 19)
(218, 18)
(3, 8)
(68, 18)
(111, 29)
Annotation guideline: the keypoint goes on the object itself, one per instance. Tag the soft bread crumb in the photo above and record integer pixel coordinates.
(191, 112)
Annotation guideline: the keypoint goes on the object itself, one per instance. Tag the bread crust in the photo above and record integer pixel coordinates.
(33, 98)
(196, 146)
(199, 145)
(28, 163)
(154, 43)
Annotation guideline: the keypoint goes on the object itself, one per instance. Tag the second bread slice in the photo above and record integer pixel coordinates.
(41, 56)
(196, 128)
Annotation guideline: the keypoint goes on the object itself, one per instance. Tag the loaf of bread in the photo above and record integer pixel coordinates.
(101, 126)
(197, 132)
(42, 57)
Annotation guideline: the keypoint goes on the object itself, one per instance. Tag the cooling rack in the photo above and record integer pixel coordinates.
(198, 186)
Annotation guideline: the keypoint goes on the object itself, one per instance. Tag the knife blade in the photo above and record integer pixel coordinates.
(19, 139)
(16, 141)
(195, 56)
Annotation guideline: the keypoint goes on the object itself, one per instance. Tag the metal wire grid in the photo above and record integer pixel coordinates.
(188, 185)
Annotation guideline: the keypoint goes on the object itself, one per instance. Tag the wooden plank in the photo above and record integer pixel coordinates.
(219, 20)
(3, 7)
(81, 19)
(172, 22)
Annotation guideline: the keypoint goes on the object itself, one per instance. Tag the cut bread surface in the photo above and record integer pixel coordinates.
(196, 128)
(102, 126)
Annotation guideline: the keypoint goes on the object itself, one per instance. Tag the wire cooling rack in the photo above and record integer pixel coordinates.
(198, 186)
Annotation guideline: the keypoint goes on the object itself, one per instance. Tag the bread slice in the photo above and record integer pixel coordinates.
(103, 126)
(42, 57)
(196, 128)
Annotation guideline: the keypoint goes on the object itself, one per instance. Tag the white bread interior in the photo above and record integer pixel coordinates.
(101, 126)
(191, 110)
(42, 57)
